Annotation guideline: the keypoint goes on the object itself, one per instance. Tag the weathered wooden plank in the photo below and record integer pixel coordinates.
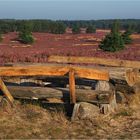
(6, 92)
(54, 70)
(38, 92)
(59, 93)
(34, 71)
(95, 60)
(72, 86)
(91, 73)
(130, 75)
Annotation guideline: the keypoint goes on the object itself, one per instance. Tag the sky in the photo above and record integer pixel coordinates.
(70, 9)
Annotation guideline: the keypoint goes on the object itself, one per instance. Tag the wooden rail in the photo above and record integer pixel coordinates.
(95, 60)
(52, 70)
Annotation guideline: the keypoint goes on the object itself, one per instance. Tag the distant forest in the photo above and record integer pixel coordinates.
(58, 27)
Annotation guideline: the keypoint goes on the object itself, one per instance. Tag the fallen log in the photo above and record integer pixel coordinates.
(59, 93)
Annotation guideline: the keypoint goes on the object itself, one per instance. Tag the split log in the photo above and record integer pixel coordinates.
(54, 70)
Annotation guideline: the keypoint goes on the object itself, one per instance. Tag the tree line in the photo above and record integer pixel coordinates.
(106, 24)
(59, 27)
(49, 26)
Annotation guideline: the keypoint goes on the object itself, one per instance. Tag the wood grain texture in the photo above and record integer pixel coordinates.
(131, 75)
(72, 86)
(54, 70)
(82, 95)
(6, 92)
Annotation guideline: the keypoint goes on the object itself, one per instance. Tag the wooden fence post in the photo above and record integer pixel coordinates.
(72, 86)
(6, 92)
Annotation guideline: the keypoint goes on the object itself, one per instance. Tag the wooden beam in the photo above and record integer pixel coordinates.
(82, 95)
(91, 73)
(6, 92)
(72, 86)
(94, 60)
(130, 75)
(34, 71)
(54, 70)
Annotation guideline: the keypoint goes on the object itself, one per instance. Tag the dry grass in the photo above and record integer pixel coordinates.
(27, 121)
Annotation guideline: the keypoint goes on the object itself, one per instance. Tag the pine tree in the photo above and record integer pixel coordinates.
(126, 36)
(76, 29)
(138, 28)
(1, 37)
(26, 38)
(91, 29)
(113, 42)
(25, 35)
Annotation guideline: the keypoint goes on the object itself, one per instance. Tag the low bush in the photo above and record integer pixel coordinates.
(26, 38)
